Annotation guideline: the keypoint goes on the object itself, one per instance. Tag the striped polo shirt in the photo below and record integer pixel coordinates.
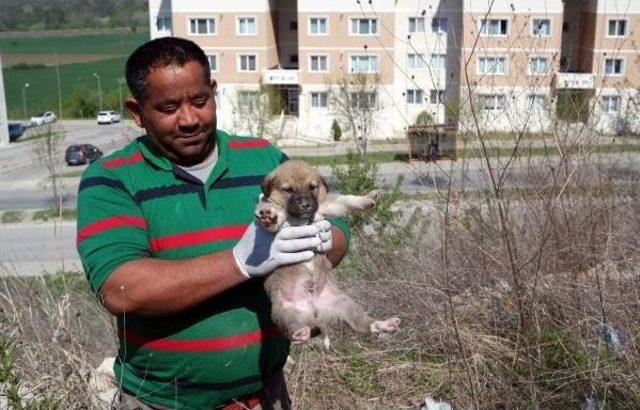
(134, 204)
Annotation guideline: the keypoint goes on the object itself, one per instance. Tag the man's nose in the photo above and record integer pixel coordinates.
(187, 117)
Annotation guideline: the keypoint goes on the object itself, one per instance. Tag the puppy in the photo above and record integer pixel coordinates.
(304, 301)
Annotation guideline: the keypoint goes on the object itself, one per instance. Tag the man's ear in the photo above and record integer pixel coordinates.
(214, 86)
(135, 109)
(267, 185)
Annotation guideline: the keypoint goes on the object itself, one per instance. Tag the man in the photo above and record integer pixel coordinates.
(166, 238)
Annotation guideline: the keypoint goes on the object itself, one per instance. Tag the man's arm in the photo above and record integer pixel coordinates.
(339, 246)
(156, 287)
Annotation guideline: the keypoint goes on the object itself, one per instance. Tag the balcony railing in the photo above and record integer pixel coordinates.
(575, 81)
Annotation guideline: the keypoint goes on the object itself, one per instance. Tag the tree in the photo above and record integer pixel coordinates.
(354, 101)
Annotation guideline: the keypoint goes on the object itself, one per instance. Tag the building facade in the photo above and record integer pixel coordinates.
(515, 65)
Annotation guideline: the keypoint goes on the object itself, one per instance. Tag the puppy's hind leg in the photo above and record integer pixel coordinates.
(340, 306)
(345, 205)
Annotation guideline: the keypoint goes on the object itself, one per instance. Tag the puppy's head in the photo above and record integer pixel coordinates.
(297, 187)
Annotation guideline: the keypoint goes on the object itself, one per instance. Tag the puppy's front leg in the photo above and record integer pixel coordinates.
(345, 205)
(269, 215)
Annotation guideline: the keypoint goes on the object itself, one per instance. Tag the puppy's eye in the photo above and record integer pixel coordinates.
(313, 185)
(287, 188)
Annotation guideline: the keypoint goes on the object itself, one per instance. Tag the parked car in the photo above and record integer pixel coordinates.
(78, 154)
(108, 117)
(45, 117)
(15, 131)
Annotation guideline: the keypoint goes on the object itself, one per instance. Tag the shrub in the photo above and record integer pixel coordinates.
(424, 118)
(336, 131)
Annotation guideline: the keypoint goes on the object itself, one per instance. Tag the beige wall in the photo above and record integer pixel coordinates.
(227, 44)
(340, 45)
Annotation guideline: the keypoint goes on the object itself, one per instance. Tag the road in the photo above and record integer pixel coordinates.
(36, 248)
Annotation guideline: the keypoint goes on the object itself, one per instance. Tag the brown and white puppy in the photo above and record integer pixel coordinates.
(304, 301)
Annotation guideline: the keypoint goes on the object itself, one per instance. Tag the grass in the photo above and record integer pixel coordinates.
(12, 217)
(71, 174)
(42, 94)
(117, 43)
(46, 214)
(468, 153)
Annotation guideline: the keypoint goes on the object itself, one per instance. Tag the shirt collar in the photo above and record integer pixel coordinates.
(151, 154)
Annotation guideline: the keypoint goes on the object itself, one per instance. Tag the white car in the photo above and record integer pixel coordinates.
(108, 117)
(41, 118)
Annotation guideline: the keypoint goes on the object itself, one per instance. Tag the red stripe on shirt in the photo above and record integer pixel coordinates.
(118, 162)
(117, 221)
(222, 233)
(201, 345)
(248, 144)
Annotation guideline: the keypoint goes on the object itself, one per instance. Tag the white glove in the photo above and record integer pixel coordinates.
(324, 233)
(260, 252)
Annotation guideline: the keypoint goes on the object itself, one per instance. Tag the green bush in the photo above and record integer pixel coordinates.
(12, 217)
(336, 131)
(424, 118)
(359, 176)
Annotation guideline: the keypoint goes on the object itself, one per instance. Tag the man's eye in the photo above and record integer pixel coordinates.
(168, 109)
(200, 102)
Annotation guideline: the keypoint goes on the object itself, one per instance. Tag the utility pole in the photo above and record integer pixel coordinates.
(99, 91)
(24, 100)
(4, 124)
(59, 88)
(120, 82)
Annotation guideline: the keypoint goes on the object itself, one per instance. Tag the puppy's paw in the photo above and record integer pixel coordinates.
(386, 326)
(301, 335)
(369, 200)
(268, 218)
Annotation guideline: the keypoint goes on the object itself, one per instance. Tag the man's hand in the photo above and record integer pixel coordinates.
(324, 233)
(259, 252)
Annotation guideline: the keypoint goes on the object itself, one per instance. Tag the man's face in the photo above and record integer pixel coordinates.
(179, 113)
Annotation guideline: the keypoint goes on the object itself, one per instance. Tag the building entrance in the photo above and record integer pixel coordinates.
(290, 94)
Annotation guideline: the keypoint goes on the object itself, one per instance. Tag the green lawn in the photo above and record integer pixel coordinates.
(42, 93)
(117, 43)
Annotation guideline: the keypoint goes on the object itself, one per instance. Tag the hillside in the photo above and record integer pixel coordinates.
(20, 15)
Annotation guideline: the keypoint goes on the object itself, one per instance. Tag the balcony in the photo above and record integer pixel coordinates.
(280, 77)
(575, 81)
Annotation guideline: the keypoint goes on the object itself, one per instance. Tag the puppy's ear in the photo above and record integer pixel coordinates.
(324, 183)
(267, 185)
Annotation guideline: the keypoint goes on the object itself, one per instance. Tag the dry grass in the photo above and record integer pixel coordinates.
(504, 295)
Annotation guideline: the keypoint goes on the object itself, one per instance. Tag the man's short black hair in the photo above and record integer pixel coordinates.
(159, 53)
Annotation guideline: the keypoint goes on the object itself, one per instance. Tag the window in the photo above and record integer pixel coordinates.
(318, 26)
(318, 63)
(436, 97)
(538, 102)
(494, 27)
(538, 65)
(293, 25)
(248, 99)
(541, 27)
(213, 62)
(617, 28)
(613, 66)
(492, 102)
(363, 100)
(416, 25)
(610, 104)
(565, 27)
(163, 24)
(247, 26)
(414, 97)
(293, 59)
(438, 61)
(318, 100)
(439, 25)
(364, 27)
(492, 65)
(415, 61)
(248, 62)
(364, 64)
(202, 26)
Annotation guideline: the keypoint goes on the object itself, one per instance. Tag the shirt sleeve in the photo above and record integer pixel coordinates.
(111, 227)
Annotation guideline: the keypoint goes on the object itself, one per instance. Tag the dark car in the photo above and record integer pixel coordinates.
(15, 131)
(78, 154)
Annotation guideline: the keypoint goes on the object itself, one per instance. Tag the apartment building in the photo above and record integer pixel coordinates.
(396, 59)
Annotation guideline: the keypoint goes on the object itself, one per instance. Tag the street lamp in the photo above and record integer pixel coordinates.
(120, 82)
(24, 99)
(99, 91)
